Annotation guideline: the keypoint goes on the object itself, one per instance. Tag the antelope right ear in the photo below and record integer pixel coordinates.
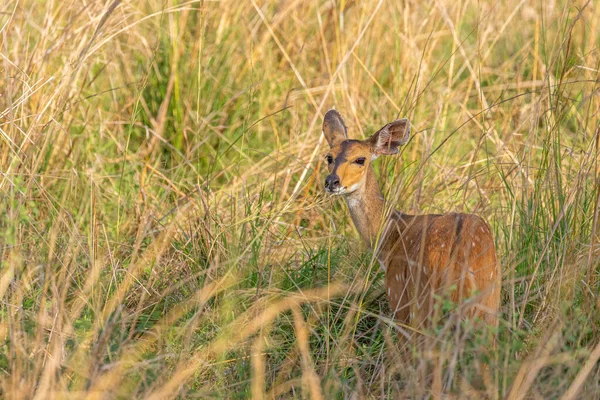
(390, 137)
(334, 129)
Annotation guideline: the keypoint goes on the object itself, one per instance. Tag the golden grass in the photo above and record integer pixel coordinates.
(164, 232)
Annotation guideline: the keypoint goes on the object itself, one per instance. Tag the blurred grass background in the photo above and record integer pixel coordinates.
(164, 232)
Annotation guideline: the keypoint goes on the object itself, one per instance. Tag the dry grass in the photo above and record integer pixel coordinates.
(163, 227)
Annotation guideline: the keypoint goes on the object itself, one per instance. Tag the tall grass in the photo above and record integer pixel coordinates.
(164, 232)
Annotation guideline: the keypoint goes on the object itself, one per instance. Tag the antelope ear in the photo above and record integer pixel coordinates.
(387, 140)
(334, 129)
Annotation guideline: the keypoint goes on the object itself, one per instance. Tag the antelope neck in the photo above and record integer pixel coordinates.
(366, 206)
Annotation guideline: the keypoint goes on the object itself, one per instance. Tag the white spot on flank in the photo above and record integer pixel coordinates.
(473, 243)
(481, 229)
(389, 291)
(396, 277)
(412, 315)
(443, 245)
(491, 274)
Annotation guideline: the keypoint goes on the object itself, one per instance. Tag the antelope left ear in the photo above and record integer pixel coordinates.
(387, 140)
(334, 128)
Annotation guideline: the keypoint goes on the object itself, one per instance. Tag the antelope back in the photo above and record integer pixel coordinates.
(431, 257)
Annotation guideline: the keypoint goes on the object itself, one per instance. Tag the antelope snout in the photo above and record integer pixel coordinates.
(332, 183)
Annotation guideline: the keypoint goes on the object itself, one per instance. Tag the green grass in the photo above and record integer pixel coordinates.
(163, 228)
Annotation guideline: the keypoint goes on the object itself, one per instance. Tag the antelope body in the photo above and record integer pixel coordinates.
(425, 257)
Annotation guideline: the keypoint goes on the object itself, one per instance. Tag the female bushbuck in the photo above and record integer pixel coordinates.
(424, 256)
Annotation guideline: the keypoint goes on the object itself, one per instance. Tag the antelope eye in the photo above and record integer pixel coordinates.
(360, 161)
(329, 159)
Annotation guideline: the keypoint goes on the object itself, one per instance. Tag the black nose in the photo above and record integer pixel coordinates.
(332, 182)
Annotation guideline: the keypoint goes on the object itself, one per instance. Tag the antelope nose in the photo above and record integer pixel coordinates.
(332, 182)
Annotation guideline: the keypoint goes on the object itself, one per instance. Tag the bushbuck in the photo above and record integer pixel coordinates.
(425, 257)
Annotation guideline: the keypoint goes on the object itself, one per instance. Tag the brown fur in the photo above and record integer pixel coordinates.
(425, 256)
(449, 255)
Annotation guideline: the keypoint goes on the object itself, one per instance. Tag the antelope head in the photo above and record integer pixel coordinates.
(348, 159)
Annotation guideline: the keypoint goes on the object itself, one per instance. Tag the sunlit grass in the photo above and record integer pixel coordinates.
(164, 232)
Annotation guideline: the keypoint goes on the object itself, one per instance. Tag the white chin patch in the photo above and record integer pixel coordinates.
(374, 156)
(352, 188)
(337, 192)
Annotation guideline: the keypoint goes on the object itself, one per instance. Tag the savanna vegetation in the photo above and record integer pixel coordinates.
(163, 227)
